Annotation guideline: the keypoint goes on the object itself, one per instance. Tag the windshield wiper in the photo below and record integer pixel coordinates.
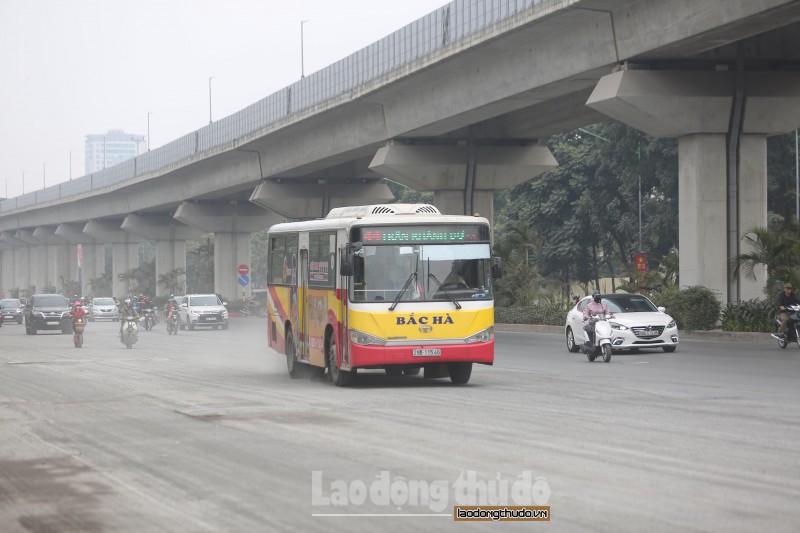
(447, 293)
(400, 294)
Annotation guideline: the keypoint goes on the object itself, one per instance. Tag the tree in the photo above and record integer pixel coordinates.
(200, 266)
(101, 284)
(141, 280)
(777, 250)
(173, 281)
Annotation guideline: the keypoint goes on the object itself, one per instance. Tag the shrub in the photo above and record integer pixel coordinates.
(693, 308)
(548, 314)
(751, 315)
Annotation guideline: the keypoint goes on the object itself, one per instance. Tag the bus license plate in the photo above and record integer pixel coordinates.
(431, 352)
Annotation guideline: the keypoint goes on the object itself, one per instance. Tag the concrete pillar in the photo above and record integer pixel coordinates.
(58, 268)
(315, 200)
(720, 197)
(6, 269)
(170, 237)
(93, 255)
(124, 252)
(462, 177)
(37, 260)
(231, 225)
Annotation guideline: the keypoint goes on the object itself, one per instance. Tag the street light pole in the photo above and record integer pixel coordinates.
(44, 175)
(148, 129)
(70, 165)
(302, 59)
(209, 99)
(797, 175)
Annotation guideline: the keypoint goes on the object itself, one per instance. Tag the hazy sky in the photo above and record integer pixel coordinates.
(70, 68)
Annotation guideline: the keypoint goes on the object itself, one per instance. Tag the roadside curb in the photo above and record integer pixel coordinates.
(713, 335)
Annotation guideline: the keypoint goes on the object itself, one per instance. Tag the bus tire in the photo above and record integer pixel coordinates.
(295, 368)
(339, 377)
(459, 372)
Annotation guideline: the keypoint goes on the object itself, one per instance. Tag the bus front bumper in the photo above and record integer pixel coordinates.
(421, 354)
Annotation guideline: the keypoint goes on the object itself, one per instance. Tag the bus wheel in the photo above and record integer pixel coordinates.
(459, 372)
(295, 368)
(339, 377)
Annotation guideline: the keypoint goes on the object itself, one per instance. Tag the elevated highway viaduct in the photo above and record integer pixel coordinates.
(454, 103)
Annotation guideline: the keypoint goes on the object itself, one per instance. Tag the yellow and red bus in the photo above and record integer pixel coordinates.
(399, 287)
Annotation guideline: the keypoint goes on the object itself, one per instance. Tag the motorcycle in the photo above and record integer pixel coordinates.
(602, 339)
(78, 325)
(149, 318)
(792, 327)
(130, 331)
(172, 324)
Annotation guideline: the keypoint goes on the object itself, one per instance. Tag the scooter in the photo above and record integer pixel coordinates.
(149, 318)
(78, 325)
(172, 324)
(130, 331)
(602, 339)
(792, 327)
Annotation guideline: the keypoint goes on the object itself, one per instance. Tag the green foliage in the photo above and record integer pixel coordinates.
(101, 285)
(693, 308)
(71, 287)
(778, 250)
(142, 279)
(174, 281)
(751, 315)
(553, 314)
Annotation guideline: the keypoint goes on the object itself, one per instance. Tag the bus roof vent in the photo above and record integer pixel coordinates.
(360, 211)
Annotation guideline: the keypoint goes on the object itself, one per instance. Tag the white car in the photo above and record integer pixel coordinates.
(637, 323)
(197, 310)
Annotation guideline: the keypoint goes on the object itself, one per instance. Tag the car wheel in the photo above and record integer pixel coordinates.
(413, 371)
(19, 321)
(669, 349)
(459, 372)
(339, 377)
(572, 346)
(224, 326)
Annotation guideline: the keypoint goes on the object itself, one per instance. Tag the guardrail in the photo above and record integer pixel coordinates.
(448, 25)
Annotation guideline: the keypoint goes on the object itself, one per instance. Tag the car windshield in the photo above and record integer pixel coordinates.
(203, 300)
(629, 303)
(103, 301)
(51, 301)
(9, 304)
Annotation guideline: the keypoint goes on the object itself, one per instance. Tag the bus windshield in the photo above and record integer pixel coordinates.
(427, 271)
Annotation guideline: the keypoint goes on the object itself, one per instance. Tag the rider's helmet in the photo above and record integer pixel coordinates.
(77, 303)
(127, 302)
(596, 295)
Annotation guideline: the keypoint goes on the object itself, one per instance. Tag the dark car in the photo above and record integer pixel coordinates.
(11, 309)
(47, 312)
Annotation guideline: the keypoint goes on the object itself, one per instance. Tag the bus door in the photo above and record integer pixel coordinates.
(302, 300)
(344, 292)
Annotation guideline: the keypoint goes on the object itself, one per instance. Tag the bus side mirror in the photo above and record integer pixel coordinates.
(497, 267)
(346, 264)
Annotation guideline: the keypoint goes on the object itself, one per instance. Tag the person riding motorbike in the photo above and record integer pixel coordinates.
(785, 298)
(127, 311)
(595, 307)
(77, 310)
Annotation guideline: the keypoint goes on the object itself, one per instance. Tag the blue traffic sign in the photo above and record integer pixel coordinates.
(244, 279)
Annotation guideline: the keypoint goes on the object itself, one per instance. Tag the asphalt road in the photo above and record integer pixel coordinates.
(205, 431)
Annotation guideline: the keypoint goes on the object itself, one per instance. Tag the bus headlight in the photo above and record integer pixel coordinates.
(357, 337)
(483, 336)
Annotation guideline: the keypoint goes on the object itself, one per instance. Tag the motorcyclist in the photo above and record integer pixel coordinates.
(785, 298)
(127, 311)
(77, 310)
(172, 308)
(594, 307)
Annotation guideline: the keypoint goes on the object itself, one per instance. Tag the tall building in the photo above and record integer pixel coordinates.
(112, 148)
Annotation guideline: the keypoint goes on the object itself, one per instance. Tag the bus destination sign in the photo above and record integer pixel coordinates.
(439, 233)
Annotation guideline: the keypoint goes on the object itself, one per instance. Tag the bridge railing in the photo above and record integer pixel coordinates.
(448, 25)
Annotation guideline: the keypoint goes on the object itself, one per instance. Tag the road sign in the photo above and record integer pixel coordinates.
(244, 279)
(641, 262)
(243, 269)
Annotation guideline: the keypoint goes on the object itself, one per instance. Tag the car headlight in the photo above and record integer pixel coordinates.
(483, 336)
(618, 326)
(357, 337)
(671, 324)
(224, 314)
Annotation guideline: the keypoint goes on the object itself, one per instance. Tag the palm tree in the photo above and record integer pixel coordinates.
(773, 249)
